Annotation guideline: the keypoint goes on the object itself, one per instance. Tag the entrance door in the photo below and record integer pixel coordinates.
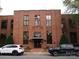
(37, 43)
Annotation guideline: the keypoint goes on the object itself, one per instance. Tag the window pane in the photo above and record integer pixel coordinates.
(48, 23)
(48, 17)
(11, 46)
(4, 24)
(37, 20)
(26, 37)
(26, 23)
(49, 38)
(26, 20)
(71, 23)
(48, 20)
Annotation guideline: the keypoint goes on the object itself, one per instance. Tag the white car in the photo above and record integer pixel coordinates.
(14, 49)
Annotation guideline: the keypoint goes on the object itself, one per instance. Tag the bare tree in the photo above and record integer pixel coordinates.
(72, 6)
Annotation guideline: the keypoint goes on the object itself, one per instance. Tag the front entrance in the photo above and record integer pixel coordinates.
(37, 43)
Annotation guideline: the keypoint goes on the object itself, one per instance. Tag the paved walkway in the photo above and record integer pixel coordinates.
(36, 53)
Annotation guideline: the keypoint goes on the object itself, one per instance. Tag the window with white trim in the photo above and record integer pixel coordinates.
(37, 20)
(48, 20)
(26, 20)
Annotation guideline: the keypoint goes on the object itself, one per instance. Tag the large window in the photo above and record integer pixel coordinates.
(4, 24)
(26, 20)
(2, 38)
(49, 37)
(37, 20)
(71, 23)
(48, 20)
(25, 37)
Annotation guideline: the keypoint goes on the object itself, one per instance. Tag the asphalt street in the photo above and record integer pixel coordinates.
(38, 57)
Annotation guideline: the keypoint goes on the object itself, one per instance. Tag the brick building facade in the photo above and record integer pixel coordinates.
(37, 25)
(6, 27)
(37, 28)
(71, 27)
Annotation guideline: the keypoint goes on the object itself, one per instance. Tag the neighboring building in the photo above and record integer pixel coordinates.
(71, 27)
(38, 28)
(6, 27)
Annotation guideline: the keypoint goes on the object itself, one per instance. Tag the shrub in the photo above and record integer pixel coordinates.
(9, 40)
(63, 39)
(1, 45)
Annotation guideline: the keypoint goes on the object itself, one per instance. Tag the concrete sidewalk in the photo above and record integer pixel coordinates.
(36, 53)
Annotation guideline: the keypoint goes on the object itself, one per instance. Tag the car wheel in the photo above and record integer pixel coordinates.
(0, 53)
(22, 53)
(72, 53)
(15, 53)
(55, 53)
(77, 53)
(68, 53)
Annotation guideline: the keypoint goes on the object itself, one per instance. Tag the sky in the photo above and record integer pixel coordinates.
(10, 5)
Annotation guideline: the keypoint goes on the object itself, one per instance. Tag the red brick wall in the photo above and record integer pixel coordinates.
(19, 28)
(67, 29)
(8, 31)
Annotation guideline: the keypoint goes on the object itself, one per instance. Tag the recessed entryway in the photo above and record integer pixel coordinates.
(37, 43)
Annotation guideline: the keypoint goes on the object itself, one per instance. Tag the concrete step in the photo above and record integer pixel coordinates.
(37, 50)
(36, 53)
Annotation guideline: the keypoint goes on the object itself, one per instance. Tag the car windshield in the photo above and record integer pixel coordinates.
(9, 46)
(66, 46)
